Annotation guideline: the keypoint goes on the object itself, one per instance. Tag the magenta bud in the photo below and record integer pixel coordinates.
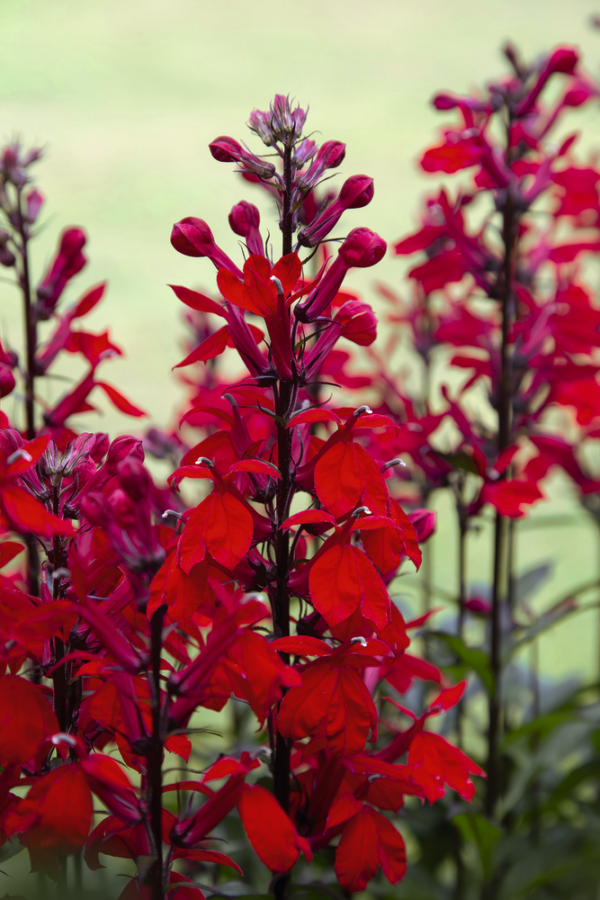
(192, 237)
(7, 258)
(134, 478)
(120, 449)
(362, 248)
(122, 507)
(7, 381)
(564, 59)
(96, 509)
(243, 217)
(68, 262)
(84, 470)
(331, 154)
(226, 149)
(34, 202)
(424, 523)
(359, 321)
(100, 447)
(356, 192)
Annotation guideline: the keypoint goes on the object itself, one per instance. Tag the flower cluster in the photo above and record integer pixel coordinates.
(274, 588)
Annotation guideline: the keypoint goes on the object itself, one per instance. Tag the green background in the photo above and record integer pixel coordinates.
(126, 94)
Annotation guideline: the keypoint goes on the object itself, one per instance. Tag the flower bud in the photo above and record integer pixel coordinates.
(424, 523)
(244, 220)
(243, 217)
(356, 192)
(564, 59)
(193, 237)
(7, 258)
(331, 154)
(120, 449)
(359, 322)
(122, 508)
(34, 201)
(67, 263)
(225, 149)
(362, 248)
(7, 381)
(134, 478)
(96, 509)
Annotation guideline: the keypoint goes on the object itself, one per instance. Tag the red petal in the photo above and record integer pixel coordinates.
(213, 346)
(269, 829)
(121, 402)
(26, 718)
(196, 300)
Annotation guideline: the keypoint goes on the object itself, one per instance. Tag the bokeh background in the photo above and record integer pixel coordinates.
(126, 96)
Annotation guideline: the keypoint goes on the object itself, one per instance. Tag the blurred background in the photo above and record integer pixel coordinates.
(125, 98)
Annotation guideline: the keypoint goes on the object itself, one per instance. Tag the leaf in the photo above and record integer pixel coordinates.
(531, 580)
(461, 460)
(476, 828)
(476, 660)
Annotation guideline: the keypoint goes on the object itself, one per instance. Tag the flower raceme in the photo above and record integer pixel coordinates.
(152, 608)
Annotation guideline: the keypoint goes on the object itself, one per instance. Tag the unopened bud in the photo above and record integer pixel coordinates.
(243, 217)
(362, 248)
(7, 381)
(225, 149)
(134, 478)
(356, 192)
(192, 237)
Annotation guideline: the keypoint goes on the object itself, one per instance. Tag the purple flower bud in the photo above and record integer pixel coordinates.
(123, 509)
(226, 149)
(359, 322)
(7, 258)
(243, 217)
(304, 152)
(193, 237)
(121, 448)
(134, 478)
(330, 155)
(362, 248)
(244, 220)
(67, 263)
(260, 124)
(564, 59)
(7, 381)
(356, 192)
(96, 509)
(34, 202)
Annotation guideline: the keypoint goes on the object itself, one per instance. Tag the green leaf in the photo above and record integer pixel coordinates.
(527, 583)
(542, 726)
(476, 828)
(476, 660)
(461, 460)
(566, 607)
(573, 780)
